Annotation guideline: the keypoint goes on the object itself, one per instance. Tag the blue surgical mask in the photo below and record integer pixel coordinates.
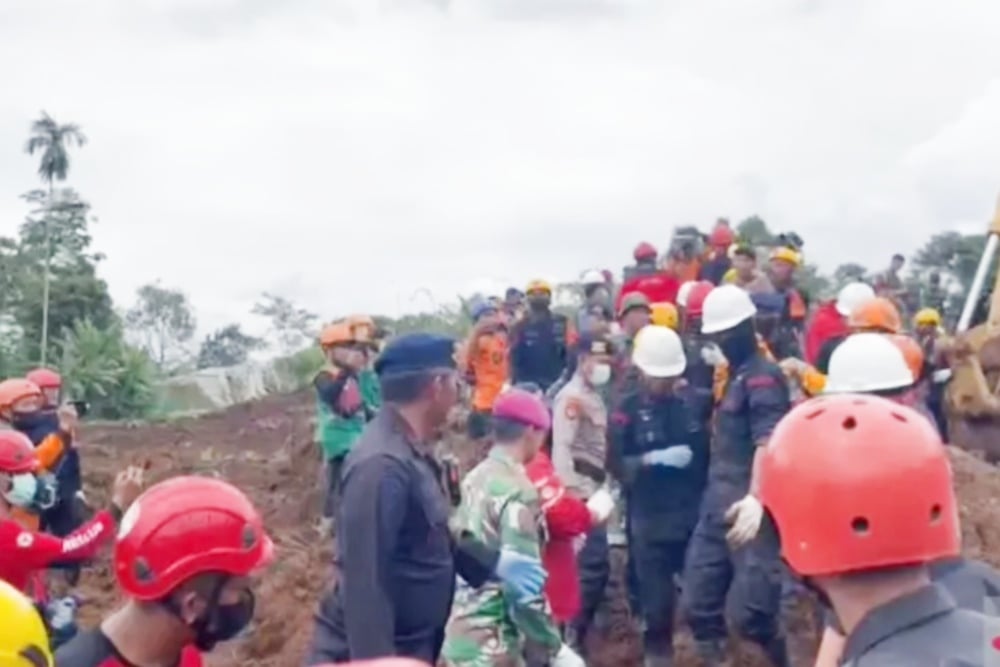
(22, 490)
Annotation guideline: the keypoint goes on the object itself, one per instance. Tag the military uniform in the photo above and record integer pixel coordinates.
(579, 452)
(500, 507)
(754, 400)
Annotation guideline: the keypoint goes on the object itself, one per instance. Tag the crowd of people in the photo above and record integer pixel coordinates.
(743, 443)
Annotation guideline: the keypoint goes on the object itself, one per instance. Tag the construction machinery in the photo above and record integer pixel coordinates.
(973, 395)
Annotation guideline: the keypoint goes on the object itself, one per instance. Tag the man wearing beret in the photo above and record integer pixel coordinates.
(397, 555)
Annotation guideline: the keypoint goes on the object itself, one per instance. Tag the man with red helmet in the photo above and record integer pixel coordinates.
(699, 372)
(24, 551)
(824, 478)
(646, 277)
(183, 557)
(718, 262)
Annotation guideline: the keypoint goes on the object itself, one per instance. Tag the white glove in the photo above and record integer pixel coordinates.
(745, 515)
(712, 355)
(567, 657)
(941, 375)
(578, 543)
(600, 505)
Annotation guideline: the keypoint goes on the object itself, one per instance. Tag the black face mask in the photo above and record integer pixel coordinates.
(223, 622)
(739, 344)
(29, 420)
(539, 305)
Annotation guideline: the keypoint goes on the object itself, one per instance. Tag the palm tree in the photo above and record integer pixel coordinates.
(52, 140)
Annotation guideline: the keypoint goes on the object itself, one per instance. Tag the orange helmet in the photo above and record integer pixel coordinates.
(878, 314)
(17, 453)
(912, 352)
(16, 389)
(858, 482)
(362, 328)
(338, 333)
(184, 527)
(45, 378)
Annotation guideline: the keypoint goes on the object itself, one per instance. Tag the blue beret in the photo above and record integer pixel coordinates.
(414, 353)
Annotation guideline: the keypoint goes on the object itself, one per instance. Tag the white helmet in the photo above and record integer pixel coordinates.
(658, 352)
(683, 292)
(724, 308)
(853, 295)
(592, 277)
(867, 362)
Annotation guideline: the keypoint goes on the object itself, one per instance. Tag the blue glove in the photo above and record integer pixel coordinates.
(678, 456)
(524, 575)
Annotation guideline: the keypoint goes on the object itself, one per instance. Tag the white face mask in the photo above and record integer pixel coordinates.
(599, 375)
(22, 490)
(712, 355)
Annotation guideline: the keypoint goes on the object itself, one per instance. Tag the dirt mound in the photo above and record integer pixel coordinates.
(266, 449)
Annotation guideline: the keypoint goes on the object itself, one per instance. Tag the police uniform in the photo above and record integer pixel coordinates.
(754, 401)
(397, 557)
(663, 502)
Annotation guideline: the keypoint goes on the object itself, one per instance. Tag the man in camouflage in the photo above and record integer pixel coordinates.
(490, 626)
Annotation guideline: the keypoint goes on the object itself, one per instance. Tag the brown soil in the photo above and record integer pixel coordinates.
(266, 449)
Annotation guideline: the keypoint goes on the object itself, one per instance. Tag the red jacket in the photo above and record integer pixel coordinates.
(827, 323)
(24, 552)
(658, 288)
(566, 517)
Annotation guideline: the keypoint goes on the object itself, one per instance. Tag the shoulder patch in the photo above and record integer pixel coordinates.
(25, 540)
(761, 381)
(572, 409)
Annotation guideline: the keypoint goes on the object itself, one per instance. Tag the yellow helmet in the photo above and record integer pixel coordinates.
(663, 314)
(538, 286)
(788, 255)
(729, 276)
(23, 641)
(927, 317)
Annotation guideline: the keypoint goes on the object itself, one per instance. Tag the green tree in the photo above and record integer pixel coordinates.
(164, 320)
(52, 141)
(849, 272)
(754, 231)
(292, 327)
(228, 346)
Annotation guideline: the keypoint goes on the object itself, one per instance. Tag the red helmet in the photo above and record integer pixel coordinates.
(644, 251)
(721, 236)
(184, 527)
(857, 482)
(45, 378)
(17, 453)
(15, 389)
(696, 297)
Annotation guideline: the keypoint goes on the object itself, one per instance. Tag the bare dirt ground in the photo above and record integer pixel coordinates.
(266, 449)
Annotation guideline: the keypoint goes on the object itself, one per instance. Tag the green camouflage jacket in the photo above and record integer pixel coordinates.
(488, 625)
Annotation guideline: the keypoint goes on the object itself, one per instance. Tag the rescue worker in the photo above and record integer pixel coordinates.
(718, 261)
(934, 296)
(648, 279)
(682, 297)
(579, 453)
(24, 552)
(634, 313)
(877, 315)
(889, 284)
(824, 478)
(783, 266)
(645, 256)
(928, 325)
(829, 326)
(367, 333)
(341, 412)
(754, 399)
(747, 275)
(487, 364)
(664, 315)
(397, 556)
(513, 305)
(541, 340)
(183, 559)
(24, 641)
(699, 372)
(685, 254)
(500, 507)
(596, 298)
(659, 453)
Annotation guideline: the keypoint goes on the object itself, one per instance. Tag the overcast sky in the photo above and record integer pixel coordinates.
(346, 152)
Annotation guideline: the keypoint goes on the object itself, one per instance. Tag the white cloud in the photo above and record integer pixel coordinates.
(347, 153)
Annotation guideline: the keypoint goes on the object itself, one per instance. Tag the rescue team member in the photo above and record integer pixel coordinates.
(746, 274)
(183, 559)
(579, 453)
(367, 332)
(878, 315)
(682, 298)
(500, 507)
(718, 262)
(541, 340)
(664, 315)
(24, 552)
(698, 372)
(397, 556)
(755, 398)
(341, 412)
(645, 256)
(513, 305)
(659, 453)
(829, 326)
(567, 519)
(647, 279)
(24, 641)
(927, 323)
(596, 298)
(486, 366)
(823, 479)
(784, 263)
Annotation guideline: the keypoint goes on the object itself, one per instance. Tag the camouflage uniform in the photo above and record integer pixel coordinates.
(500, 507)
